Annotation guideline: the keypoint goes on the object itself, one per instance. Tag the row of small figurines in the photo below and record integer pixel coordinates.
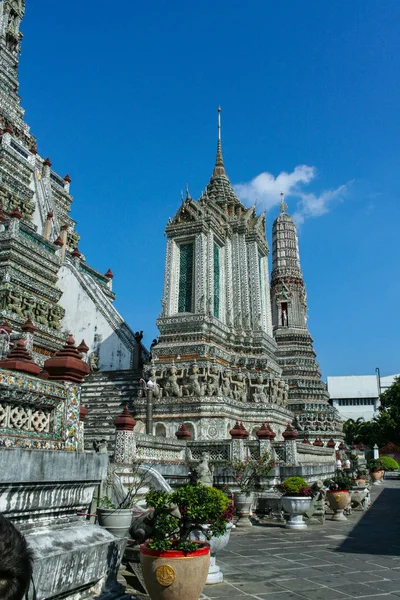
(211, 381)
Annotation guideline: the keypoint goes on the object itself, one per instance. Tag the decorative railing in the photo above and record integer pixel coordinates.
(26, 418)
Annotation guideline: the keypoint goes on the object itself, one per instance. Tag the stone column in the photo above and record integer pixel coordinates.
(48, 225)
(125, 443)
(290, 435)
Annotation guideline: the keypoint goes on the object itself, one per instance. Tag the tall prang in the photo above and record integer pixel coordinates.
(215, 360)
(43, 275)
(308, 396)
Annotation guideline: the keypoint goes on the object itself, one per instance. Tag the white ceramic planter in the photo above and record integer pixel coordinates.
(296, 506)
(216, 545)
(116, 520)
(243, 504)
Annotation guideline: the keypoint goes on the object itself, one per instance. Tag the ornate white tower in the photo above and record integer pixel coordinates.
(216, 346)
(308, 396)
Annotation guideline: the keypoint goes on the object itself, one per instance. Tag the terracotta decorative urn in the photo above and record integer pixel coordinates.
(338, 501)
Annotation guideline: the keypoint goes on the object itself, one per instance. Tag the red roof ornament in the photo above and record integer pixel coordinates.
(265, 432)
(67, 178)
(318, 442)
(290, 433)
(306, 441)
(361, 447)
(109, 274)
(244, 431)
(50, 215)
(342, 446)
(58, 242)
(5, 326)
(183, 433)
(82, 413)
(67, 364)
(125, 421)
(16, 214)
(236, 432)
(331, 443)
(76, 253)
(47, 162)
(33, 148)
(19, 359)
(9, 129)
(83, 348)
(28, 326)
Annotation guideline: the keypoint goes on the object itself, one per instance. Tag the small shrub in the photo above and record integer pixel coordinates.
(388, 463)
(295, 486)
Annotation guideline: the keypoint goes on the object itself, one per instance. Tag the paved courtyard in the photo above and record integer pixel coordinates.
(354, 559)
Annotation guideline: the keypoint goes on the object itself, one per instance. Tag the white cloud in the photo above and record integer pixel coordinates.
(266, 189)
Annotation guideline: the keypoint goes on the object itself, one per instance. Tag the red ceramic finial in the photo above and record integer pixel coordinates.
(67, 178)
(9, 129)
(67, 364)
(183, 433)
(76, 253)
(331, 443)
(290, 433)
(19, 359)
(58, 242)
(28, 326)
(318, 442)
(236, 432)
(244, 431)
(342, 446)
(16, 214)
(109, 274)
(265, 432)
(361, 447)
(125, 421)
(33, 148)
(306, 441)
(50, 215)
(83, 348)
(47, 162)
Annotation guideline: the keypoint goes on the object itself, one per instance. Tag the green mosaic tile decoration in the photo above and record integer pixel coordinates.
(216, 281)
(185, 278)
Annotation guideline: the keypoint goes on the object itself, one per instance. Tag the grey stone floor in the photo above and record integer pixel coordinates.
(354, 559)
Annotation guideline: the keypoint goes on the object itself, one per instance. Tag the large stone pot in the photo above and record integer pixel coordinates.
(377, 476)
(216, 545)
(116, 520)
(338, 500)
(296, 506)
(242, 503)
(174, 575)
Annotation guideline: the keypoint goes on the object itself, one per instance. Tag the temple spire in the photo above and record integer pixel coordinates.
(283, 203)
(219, 168)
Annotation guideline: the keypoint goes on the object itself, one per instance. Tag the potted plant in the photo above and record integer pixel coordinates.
(361, 478)
(389, 463)
(296, 500)
(247, 477)
(175, 567)
(338, 494)
(115, 508)
(376, 470)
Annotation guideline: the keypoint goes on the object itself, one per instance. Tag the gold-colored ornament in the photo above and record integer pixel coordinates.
(165, 575)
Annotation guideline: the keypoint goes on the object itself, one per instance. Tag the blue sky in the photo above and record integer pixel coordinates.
(124, 99)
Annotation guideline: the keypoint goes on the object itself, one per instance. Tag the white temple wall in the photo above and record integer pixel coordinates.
(85, 321)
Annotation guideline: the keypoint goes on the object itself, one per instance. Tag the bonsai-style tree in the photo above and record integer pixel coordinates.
(388, 463)
(248, 474)
(179, 513)
(340, 481)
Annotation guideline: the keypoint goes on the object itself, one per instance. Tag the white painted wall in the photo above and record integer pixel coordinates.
(84, 320)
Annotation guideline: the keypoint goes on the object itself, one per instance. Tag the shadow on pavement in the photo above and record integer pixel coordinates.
(378, 531)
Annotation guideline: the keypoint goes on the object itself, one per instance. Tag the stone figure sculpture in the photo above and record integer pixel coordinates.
(259, 390)
(226, 383)
(316, 512)
(204, 471)
(172, 388)
(239, 387)
(212, 378)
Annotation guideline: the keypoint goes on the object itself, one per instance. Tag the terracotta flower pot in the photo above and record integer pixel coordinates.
(338, 500)
(296, 507)
(174, 575)
(243, 504)
(116, 520)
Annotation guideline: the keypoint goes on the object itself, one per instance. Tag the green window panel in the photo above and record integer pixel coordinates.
(185, 278)
(216, 281)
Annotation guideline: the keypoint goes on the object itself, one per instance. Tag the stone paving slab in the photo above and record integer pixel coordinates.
(358, 558)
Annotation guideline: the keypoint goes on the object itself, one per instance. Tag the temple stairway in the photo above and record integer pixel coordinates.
(103, 394)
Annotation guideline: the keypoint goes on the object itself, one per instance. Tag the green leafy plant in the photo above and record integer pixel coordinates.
(247, 474)
(375, 464)
(187, 509)
(362, 473)
(122, 496)
(388, 463)
(295, 486)
(340, 481)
